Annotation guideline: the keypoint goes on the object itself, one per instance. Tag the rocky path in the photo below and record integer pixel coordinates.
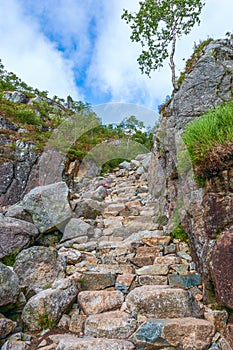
(116, 280)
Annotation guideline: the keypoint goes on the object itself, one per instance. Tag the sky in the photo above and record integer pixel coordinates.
(83, 49)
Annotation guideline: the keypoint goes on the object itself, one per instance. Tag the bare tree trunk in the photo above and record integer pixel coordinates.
(172, 64)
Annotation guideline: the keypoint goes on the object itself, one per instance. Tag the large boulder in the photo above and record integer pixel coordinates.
(222, 269)
(46, 308)
(15, 235)
(183, 333)
(48, 206)
(38, 267)
(9, 286)
(162, 302)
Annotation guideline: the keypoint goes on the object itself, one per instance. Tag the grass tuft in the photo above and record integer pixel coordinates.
(209, 140)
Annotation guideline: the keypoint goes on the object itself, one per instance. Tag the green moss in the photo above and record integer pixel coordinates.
(179, 233)
(45, 322)
(9, 260)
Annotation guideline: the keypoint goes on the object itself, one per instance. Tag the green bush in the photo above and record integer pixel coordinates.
(28, 116)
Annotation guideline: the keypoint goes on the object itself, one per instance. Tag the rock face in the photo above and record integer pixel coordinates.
(48, 206)
(15, 235)
(16, 174)
(9, 286)
(203, 212)
(38, 267)
(222, 269)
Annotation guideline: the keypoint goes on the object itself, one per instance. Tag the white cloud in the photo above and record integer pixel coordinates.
(28, 53)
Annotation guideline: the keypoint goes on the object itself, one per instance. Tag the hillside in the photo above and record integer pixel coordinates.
(138, 257)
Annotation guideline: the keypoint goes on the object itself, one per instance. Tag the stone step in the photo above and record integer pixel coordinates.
(95, 302)
(178, 333)
(68, 342)
(111, 325)
(162, 302)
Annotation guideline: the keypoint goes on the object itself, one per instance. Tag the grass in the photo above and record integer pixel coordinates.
(209, 141)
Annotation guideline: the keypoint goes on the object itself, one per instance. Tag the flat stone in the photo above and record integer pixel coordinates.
(162, 302)
(156, 269)
(154, 241)
(95, 302)
(182, 269)
(113, 324)
(167, 259)
(71, 342)
(97, 280)
(185, 281)
(123, 283)
(152, 280)
(182, 333)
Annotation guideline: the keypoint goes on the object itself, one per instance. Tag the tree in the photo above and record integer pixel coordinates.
(159, 23)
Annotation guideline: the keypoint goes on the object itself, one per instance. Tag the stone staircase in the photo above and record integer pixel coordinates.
(138, 288)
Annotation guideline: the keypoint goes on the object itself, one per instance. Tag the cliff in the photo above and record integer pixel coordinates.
(204, 209)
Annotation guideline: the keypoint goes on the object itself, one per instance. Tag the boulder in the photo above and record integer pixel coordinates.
(88, 208)
(46, 308)
(16, 96)
(76, 228)
(15, 235)
(6, 327)
(113, 325)
(38, 267)
(222, 269)
(9, 286)
(182, 333)
(48, 206)
(71, 342)
(95, 302)
(162, 302)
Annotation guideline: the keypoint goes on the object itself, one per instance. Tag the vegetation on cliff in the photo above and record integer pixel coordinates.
(209, 140)
(33, 116)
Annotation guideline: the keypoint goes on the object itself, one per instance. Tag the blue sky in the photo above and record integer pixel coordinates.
(82, 48)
